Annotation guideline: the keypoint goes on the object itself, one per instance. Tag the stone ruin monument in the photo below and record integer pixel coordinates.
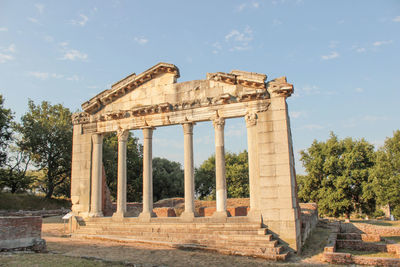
(154, 99)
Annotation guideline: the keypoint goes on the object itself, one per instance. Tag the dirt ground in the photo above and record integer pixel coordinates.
(150, 255)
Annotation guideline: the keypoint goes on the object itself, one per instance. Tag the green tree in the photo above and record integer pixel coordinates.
(237, 176)
(337, 176)
(167, 179)
(6, 118)
(386, 174)
(14, 175)
(46, 134)
(134, 164)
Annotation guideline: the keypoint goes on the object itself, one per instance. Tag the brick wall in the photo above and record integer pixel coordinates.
(21, 233)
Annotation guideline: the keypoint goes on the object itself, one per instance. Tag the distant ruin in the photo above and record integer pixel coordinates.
(154, 99)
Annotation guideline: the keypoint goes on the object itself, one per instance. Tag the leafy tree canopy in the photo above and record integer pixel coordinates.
(46, 134)
(237, 176)
(386, 174)
(338, 174)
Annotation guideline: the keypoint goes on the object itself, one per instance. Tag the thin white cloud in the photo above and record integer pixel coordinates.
(239, 40)
(374, 118)
(40, 8)
(33, 20)
(73, 54)
(6, 53)
(276, 22)
(235, 130)
(5, 57)
(380, 43)
(63, 44)
(48, 75)
(81, 21)
(296, 114)
(49, 38)
(361, 50)
(330, 56)
(3, 29)
(39, 75)
(11, 48)
(396, 19)
(359, 90)
(141, 40)
(217, 47)
(74, 78)
(312, 127)
(243, 6)
(333, 44)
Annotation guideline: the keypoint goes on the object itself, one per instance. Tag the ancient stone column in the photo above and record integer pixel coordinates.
(251, 122)
(220, 178)
(121, 189)
(188, 214)
(147, 212)
(97, 155)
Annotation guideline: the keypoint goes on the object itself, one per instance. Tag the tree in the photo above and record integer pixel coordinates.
(167, 179)
(337, 176)
(237, 176)
(14, 176)
(6, 118)
(386, 174)
(134, 165)
(46, 134)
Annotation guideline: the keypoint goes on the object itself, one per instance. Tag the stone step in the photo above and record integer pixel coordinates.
(255, 232)
(177, 225)
(179, 235)
(271, 254)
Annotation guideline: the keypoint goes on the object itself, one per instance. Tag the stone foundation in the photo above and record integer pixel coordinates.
(21, 233)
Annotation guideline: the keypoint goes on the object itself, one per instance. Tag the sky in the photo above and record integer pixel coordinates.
(343, 58)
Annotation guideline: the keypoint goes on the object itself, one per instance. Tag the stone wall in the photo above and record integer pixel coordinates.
(371, 229)
(309, 219)
(20, 233)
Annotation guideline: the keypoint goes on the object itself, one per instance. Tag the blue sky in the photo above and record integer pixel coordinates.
(343, 58)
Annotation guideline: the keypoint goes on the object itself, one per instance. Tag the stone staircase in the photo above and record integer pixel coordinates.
(235, 236)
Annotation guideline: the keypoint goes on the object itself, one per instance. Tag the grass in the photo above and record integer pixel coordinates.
(367, 253)
(317, 240)
(49, 260)
(379, 223)
(16, 202)
(395, 239)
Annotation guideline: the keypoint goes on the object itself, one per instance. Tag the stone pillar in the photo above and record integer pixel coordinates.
(188, 214)
(147, 212)
(121, 190)
(251, 122)
(97, 155)
(220, 178)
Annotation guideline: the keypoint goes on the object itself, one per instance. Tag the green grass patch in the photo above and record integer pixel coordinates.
(367, 253)
(49, 260)
(379, 222)
(15, 202)
(318, 239)
(395, 239)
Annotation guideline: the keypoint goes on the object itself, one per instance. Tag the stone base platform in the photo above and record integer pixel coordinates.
(236, 236)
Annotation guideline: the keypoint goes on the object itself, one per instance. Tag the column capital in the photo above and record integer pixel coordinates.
(251, 119)
(188, 128)
(148, 132)
(219, 123)
(97, 138)
(122, 135)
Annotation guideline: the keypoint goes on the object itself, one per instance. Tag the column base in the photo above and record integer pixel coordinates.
(254, 215)
(146, 216)
(96, 214)
(118, 216)
(187, 216)
(220, 215)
